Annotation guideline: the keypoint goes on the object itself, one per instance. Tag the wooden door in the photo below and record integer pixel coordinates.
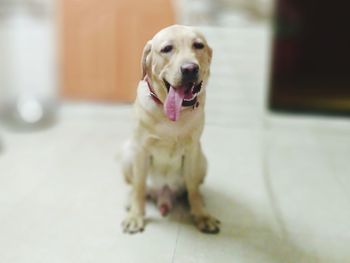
(102, 42)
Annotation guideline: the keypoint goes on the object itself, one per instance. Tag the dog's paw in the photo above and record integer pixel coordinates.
(133, 224)
(207, 224)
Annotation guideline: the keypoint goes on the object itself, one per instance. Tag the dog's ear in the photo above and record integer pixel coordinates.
(210, 54)
(145, 61)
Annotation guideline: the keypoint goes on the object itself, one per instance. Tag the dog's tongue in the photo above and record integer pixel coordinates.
(173, 102)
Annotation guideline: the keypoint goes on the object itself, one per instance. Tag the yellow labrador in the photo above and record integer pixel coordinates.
(164, 158)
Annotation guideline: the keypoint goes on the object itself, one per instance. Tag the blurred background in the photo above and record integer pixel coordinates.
(277, 131)
(54, 51)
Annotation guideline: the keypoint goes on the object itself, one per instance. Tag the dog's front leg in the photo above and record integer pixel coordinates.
(135, 222)
(194, 172)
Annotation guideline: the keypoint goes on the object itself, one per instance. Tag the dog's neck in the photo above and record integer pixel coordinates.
(194, 103)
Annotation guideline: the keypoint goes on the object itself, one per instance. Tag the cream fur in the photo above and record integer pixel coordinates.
(162, 152)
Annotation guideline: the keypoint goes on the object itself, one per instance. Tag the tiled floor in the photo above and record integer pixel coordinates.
(280, 184)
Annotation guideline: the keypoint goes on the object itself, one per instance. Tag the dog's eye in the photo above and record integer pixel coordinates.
(198, 45)
(167, 49)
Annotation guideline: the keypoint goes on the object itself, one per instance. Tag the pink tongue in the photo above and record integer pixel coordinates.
(173, 102)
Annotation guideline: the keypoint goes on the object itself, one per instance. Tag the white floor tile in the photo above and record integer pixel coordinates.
(313, 205)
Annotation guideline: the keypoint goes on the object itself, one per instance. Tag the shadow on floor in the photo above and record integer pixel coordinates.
(241, 226)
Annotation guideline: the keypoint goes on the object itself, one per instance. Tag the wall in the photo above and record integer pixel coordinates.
(27, 49)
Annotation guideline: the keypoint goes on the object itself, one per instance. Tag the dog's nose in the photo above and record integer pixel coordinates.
(189, 70)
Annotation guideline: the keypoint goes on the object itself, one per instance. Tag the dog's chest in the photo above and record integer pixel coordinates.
(166, 166)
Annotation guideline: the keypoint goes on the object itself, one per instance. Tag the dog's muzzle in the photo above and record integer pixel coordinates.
(191, 91)
(177, 97)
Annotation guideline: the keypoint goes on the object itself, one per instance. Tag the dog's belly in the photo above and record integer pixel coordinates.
(166, 168)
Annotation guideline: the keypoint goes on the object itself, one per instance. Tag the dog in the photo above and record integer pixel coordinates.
(164, 158)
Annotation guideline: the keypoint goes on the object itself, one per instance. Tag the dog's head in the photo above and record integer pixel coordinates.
(177, 62)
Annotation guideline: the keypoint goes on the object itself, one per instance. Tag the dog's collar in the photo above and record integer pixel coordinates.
(151, 92)
(194, 103)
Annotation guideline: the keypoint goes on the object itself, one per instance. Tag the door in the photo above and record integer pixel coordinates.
(102, 42)
(311, 57)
